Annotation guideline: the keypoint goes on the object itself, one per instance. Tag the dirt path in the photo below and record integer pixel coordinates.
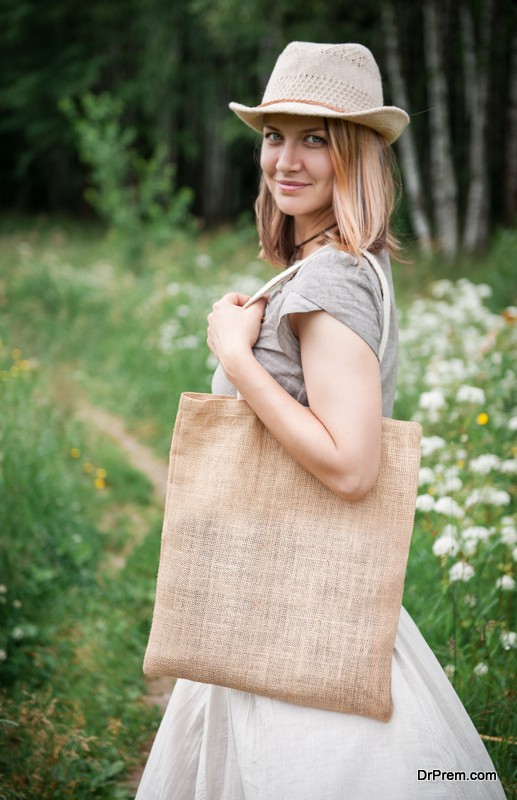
(142, 458)
(139, 455)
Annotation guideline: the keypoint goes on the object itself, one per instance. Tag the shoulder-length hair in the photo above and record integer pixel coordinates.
(363, 200)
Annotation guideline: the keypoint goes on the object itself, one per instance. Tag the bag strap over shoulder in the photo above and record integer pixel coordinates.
(274, 282)
(385, 300)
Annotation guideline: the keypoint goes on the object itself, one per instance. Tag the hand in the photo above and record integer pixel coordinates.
(233, 330)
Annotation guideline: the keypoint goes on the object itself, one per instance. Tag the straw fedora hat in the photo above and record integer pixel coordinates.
(327, 80)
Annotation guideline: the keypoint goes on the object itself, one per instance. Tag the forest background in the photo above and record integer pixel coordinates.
(175, 66)
(126, 210)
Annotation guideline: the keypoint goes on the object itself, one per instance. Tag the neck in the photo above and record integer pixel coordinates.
(305, 227)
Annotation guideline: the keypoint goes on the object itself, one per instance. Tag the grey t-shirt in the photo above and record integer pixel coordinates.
(332, 282)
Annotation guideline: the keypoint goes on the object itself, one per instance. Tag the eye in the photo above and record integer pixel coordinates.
(273, 136)
(313, 139)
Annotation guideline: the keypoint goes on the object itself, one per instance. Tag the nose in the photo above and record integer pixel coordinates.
(289, 157)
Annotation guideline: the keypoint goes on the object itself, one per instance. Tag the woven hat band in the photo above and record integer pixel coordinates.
(307, 102)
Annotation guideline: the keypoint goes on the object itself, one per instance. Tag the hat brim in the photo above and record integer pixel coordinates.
(389, 121)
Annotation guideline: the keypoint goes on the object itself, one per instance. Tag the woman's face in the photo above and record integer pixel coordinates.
(296, 163)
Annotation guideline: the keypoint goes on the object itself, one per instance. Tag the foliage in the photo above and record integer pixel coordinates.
(66, 635)
(458, 370)
(176, 67)
(136, 196)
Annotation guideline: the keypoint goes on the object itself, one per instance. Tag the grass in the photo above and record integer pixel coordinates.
(131, 341)
(72, 630)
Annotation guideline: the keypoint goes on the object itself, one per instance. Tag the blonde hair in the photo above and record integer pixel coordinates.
(363, 199)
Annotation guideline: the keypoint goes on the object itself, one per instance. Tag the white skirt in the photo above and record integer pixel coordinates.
(223, 744)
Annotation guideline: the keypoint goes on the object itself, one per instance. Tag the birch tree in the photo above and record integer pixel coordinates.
(443, 181)
(476, 97)
(406, 144)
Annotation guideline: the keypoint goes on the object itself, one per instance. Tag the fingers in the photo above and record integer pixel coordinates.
(236, 298)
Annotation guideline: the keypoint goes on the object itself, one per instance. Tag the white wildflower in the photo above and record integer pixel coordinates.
(489, 496)
(433, 400)
(480, 669)
(514, 554)
(426, 476)
(505, 582)
(3, 588)
(484, 463)
(3, 655)
(470, 600)
(441, 288)
(203, 260)
(429, 444)
(447, 543)
(470, 394)
(449, 484)
(449, 506)
(508, 521)
(17, 603)
(183, 310)
(461, 571)
(449, 670)
(476, 532)
(17, 633)
(484, 290)
(461, 454)
(173, 289)
(425, 502)
(509, 535)
(187, 343)
(509, 466)
(512, 424)
(508, 639)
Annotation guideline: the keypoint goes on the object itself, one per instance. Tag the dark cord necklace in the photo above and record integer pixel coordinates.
(298, 246)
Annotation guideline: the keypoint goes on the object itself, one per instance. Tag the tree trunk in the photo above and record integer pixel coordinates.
(476, 97)
(443, 182)
(511, 141)
(411, 171)
(215, 157)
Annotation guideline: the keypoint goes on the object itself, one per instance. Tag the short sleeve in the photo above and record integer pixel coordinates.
(337, 283)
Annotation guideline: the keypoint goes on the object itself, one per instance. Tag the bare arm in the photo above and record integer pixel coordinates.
(338, 438)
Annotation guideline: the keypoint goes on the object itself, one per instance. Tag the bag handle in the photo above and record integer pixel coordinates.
(274, 282)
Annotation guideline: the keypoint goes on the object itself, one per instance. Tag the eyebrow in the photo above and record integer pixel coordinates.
(305, 130)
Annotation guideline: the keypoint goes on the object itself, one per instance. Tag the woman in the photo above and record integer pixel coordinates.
(306, 360)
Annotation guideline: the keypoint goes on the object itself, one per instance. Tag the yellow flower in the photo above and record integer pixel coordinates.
(4, 375)
(88, 467)
(514, 451)
(460, 463)
(75, 452)
(482, 419)
(431, 490)
(15, 354)
(101, 473)
(14, 371)
(25, 365)
(99, 483)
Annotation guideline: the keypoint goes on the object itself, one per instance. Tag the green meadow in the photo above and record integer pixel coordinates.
(81, 528)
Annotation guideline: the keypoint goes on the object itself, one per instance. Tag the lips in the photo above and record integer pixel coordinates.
(290, 186)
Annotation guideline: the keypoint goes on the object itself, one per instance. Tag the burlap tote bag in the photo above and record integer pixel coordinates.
(268, 581)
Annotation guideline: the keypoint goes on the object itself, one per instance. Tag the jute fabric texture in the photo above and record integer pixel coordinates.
(268, 581)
